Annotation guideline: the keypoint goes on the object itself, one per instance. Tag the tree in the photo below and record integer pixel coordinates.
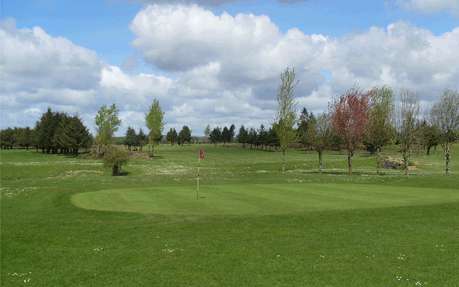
(379, 130)
(430, 135)
(225, 135)
(285, 118)
(445, 115)
(242, 136)
(114, 158)
(141, 139)
(184, 135)
(303, 127)
(216, 135)
(131, 138)
(155, 124)
(172, 136)
(8, 138)
(207, 131)
(107, 123)
(319, 134)
(407, 115)
(25, 137)
(349, 115)
(253, 137)
(231, 133)
(72, 135)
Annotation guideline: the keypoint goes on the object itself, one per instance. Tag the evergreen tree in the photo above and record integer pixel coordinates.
(184, 135)
(215, 136)
(242, 136)
(172, 136)
(131, 138)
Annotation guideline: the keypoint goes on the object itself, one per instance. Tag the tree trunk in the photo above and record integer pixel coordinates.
(405, 162)
(115, 170)
(320, 160)
(428, 150)
(378, 162)
(283, 160)
(349, 162)
(447, 158)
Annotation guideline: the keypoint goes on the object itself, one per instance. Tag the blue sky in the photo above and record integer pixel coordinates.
(103, 25)
(217, 64)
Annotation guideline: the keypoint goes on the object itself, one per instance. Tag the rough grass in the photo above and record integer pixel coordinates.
(253, 226)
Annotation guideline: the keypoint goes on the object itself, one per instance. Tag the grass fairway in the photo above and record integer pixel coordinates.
(260, 199)
(66, 222)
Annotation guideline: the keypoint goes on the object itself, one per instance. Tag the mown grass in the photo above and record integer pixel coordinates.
(261, 237)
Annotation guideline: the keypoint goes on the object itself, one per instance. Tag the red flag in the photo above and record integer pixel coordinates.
(201, 154)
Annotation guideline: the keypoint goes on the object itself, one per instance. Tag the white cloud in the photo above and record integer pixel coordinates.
(221, 69)
(431, 6)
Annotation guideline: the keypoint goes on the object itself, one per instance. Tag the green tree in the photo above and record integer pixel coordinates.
(172, 136)
(379, 129)
(141, 139)
(115, 158)
(155, 123)
(286, 117)
(216, 135)
(131, 138)
(242, 136)
(303, 126)
(430, 136)
(184, 135)
(107, 123)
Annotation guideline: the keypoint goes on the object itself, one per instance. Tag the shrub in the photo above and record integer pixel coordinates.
(114, 158)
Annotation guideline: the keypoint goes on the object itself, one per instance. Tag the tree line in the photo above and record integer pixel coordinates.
(55, 132)
(370, 119)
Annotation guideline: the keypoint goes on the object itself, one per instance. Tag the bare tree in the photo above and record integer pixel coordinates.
(445, 115)
(319, 133)
(286, 115)
(407, 117)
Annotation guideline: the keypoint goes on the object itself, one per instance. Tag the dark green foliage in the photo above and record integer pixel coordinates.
(54, 133)
(184, 135)
(215, 135)
(7, 138)
(429, 136)
(172, 136)
(304, 122)
(71, 135)
(131, 138)
(243, 136)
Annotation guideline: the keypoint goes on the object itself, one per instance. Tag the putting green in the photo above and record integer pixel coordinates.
(259, 199)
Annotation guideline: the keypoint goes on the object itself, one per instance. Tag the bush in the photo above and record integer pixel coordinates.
(114, 158)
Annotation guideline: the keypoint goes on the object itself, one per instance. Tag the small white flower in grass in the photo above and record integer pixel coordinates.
(418, 283)
(402, 257)
(98, 249)
(322, 256)
(278, 255)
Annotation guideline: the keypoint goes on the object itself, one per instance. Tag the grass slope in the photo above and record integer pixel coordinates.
(275, 239)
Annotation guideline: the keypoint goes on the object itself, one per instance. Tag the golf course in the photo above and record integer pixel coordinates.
(65, 221)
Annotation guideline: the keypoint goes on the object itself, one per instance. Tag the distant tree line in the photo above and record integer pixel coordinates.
(55, 132)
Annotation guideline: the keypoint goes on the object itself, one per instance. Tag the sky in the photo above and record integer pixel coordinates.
(216, 62)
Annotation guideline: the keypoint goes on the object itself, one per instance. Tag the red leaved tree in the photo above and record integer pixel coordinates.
(349, 118)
